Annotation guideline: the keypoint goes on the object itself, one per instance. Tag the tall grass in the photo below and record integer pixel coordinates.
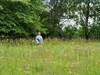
(54, 57)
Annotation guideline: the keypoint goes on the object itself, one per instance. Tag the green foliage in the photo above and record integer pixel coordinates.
(95, 31)
(71, 32)
(24, 18)
(20, 18)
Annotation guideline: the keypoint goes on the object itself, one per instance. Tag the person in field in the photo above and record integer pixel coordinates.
(39, 38)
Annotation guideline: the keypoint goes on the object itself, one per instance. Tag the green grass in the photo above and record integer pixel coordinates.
(52, 58)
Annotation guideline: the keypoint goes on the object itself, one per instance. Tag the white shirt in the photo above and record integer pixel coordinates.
(39, 39)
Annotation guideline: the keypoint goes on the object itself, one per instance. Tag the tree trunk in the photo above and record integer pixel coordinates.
(86, 35)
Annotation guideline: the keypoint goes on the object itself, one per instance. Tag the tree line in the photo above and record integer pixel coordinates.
(24, 18)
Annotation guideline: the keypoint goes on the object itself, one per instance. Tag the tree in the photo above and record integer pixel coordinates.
(86, 12)
(20, 18)
(55, 13)
(85, 9)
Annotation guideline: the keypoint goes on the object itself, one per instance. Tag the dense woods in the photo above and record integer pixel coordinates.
(54, 18)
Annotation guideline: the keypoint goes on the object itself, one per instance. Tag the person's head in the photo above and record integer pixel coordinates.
(39, 33)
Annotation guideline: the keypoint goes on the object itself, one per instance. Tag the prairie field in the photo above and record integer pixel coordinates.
(53, 57)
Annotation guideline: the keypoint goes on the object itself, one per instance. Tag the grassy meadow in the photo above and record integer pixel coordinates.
(54, 57)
